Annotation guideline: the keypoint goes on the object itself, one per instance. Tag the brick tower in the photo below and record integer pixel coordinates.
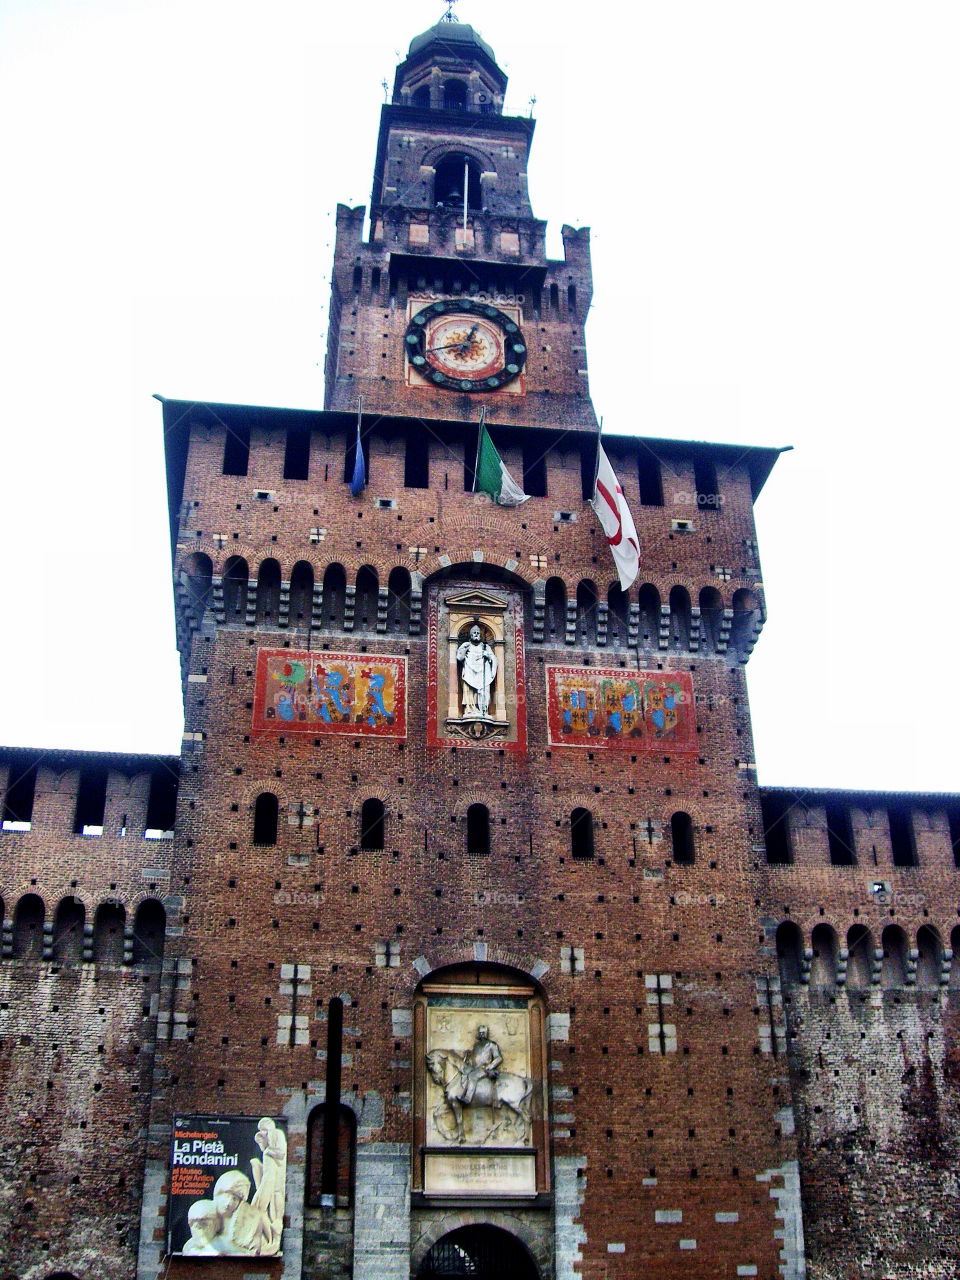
(466, 832)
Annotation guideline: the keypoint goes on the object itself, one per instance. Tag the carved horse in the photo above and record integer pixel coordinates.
(448, 1069)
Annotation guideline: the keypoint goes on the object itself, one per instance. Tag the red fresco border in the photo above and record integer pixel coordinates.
(315, 724)
(599, 729)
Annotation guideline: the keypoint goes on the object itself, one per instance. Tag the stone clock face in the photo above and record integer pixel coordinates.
(463, 345)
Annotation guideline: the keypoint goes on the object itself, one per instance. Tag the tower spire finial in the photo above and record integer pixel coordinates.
(450, 16)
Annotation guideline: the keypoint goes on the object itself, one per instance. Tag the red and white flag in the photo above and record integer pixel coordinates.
(617, 522)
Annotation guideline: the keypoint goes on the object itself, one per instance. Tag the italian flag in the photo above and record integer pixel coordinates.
(492, 476)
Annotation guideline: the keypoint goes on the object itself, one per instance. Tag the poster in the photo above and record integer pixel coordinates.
(621, 708)
(227, 1186)
(321, 692)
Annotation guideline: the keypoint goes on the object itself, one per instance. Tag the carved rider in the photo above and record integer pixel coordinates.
(483, 1061)
(478, 673)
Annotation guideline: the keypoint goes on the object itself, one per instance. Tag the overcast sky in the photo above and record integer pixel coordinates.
(774, 196)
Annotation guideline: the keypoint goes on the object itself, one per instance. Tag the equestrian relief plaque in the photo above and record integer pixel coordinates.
(478, 1098)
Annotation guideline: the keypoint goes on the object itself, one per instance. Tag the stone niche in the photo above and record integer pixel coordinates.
(476, 684)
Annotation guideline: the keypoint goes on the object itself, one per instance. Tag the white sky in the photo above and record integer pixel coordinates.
(774, 195)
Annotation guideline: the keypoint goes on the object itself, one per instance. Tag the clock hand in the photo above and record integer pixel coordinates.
(451, 345)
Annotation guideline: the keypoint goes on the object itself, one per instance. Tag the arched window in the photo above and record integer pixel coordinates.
(68, 931)
(711, 614)
(265, 812)
(680, 617)
(648, 602)
(108, 926)
(301, 594)
(823, 966)
(235, 577)
(331, 1164)
(789, 953)
(268, 593)
(371, 824)
(28, 928)
(149, 934)
(454, 95)
(421, 96)
(555, 609)
(478, 829)
(334, 595)
(197, 576)
(398, 601)
(449, 179)
(581, 833)
(681, 836)
(618, 613)
(586, 613)
(365, 612)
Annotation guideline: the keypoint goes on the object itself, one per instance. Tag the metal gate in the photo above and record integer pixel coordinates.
(481, 1252)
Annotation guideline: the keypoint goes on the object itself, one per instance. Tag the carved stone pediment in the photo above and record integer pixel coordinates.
(475, 601)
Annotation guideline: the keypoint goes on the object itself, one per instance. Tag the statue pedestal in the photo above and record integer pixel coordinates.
(476, 728)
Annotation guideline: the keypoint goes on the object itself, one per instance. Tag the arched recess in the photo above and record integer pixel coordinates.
(929, 958)
(268, 593)
(331, 1161)
(235, 578)
(823, 966)
(555, 609)
(301, 594)
(745, 611)
(648, 602)
(481, 1251)
(68, 924)
(420, 96)
(859, 957)
(197, 577)
(711, 613)
(454, 94)
(149, 933)
(680, 617)
(368, 586)
(789, 953)
(618, 613)
(398, 601)
(108, 925)
(586, 613)
(28, 928)
(482, 1025)
(894, 970)
(334, 595)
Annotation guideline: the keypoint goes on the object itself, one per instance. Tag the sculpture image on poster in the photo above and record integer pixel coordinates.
(620, 708)
(315, 693)
(215, 1208)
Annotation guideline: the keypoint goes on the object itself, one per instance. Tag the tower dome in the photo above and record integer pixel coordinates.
(449, 67)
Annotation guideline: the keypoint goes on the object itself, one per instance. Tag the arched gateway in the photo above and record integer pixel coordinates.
(481, 1252)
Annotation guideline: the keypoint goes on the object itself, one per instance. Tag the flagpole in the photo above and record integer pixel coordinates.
(476, 465)
(596, 461)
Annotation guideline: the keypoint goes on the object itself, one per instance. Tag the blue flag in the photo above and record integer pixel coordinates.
(359, 481)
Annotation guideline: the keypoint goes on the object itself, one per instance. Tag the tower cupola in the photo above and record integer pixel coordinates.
(450, 67)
